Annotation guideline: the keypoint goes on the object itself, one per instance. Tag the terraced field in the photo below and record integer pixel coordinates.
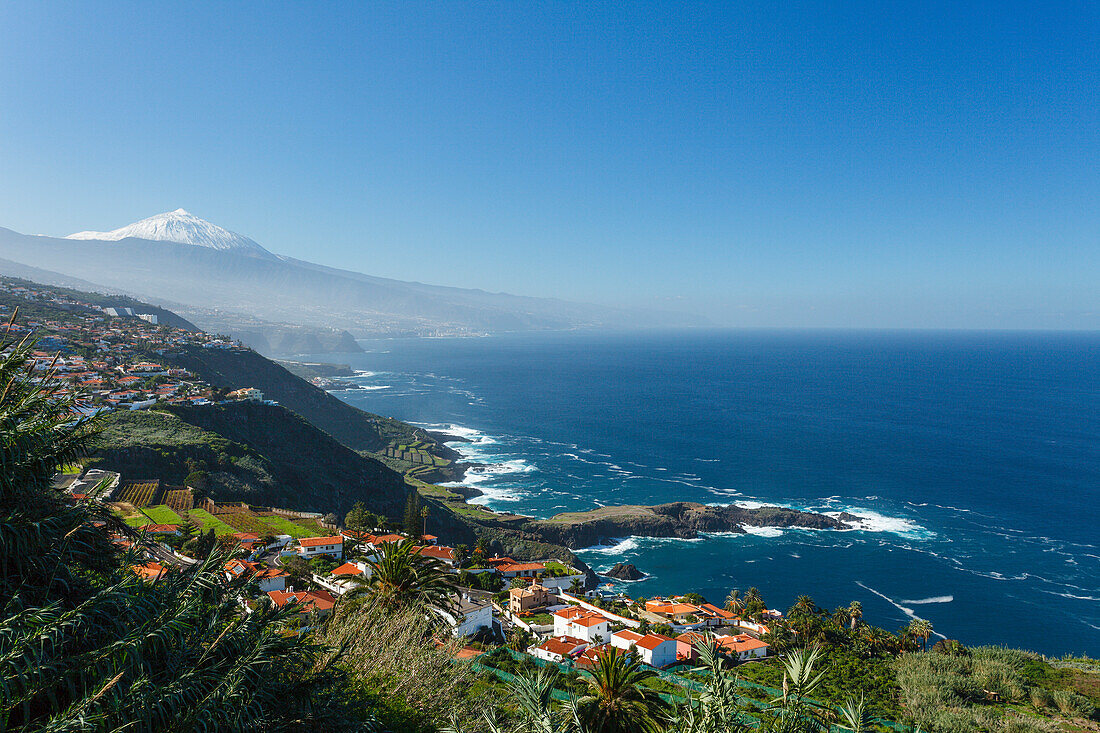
(162, 514)
(244, 522)
(140, 494)
(282, 525)
(181, 500)
(207, 521)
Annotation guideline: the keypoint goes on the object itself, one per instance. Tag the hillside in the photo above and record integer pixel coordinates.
(253, 452)
(30, 307)
(353, 427)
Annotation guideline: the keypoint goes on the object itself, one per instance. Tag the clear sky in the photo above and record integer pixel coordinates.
(863, 164)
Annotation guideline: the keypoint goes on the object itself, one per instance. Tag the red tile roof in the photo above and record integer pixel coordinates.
(652, 641)
(309, 600)
(319, 541)
(562, 646)
(348, 569)
(740, 643)
(439, 553)
(520, 567)
(151, 570)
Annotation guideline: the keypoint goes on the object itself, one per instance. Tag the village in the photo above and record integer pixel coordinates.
(285, 558)
(106, 357)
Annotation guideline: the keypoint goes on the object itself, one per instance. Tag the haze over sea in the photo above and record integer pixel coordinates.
(973, 457)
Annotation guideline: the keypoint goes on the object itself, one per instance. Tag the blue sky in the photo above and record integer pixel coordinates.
(826, 164)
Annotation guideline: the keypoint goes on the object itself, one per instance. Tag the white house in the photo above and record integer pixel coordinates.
(468, 616)
(562, 582)
(743, 646)
(655, 650)
(580, 623)
(558, 648)
(267, 578)
(310, 547)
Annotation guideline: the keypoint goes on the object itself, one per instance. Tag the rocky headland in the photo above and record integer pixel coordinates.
(678, 519)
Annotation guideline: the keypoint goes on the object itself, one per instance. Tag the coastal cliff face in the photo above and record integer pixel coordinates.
(678, 519)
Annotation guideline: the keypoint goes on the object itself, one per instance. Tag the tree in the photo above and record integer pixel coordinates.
(855, 612)
(412, 514)
(359, 519)
(519, 638)
(461, 555)
(617, 700)
(734, 604)
(401, 576)
(576, 586)
(922, 629)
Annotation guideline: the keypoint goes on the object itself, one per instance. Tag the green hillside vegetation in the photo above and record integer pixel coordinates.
(32, 310)
(354, 428)
(252, 452)
(282, 525)
(208, 521)
(162, 514)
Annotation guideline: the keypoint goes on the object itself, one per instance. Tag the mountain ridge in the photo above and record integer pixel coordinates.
(283, 289)
(179, 226)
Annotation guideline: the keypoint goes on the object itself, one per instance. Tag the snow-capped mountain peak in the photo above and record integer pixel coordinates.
(178, 226)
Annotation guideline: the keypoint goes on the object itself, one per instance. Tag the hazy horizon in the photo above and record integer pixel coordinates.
(800, 167)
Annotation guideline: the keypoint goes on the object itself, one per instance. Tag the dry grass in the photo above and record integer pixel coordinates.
(395, 655)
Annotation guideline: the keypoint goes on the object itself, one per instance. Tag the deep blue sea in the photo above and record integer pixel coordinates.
(974, 459)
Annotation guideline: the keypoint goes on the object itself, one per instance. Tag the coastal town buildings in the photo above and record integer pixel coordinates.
(582, 624)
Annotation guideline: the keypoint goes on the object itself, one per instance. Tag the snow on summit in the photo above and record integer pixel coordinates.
(181, 227)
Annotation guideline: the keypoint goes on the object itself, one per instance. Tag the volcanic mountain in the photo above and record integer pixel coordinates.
(200, 269)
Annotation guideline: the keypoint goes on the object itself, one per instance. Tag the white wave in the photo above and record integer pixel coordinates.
(872, 521)
(904, 609)
(620, 545)
(371, 387)
(1070, 595)
(764, 531)
(933, 599)
(459, 431)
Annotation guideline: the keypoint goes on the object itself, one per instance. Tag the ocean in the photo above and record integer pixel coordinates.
(973, 459)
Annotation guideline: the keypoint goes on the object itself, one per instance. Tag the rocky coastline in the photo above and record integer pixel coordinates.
(682, 519)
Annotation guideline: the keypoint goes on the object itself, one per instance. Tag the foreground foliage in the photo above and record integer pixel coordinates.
(87, 646)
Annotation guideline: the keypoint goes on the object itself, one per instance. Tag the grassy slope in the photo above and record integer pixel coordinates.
(208, 521)
(256, 453)
(353, 427)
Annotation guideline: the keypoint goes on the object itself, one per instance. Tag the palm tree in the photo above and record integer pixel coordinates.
(855, 612)
(519, 639)
(805, 604)
(400, 575)
(841, 617)
(921, 628)
(734, 604)
(617, 700)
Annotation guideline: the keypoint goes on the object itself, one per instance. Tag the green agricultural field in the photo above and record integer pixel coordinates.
(281, 525)
(209, 521)
(162, 514)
